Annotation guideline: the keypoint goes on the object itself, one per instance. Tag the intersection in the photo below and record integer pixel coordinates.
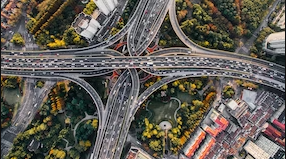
(172, 63)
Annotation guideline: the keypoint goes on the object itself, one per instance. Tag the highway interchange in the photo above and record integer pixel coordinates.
(173, 63)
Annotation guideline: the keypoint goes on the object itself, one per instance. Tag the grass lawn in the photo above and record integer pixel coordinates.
(11, 96)
(185, 97)
(162, 111)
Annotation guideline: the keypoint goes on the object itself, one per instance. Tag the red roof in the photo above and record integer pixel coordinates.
(222, 122)
(206, 150)
(278, 124)
(196, 144)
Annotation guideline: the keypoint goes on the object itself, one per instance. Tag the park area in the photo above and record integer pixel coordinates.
(162, 111)
(165, 111)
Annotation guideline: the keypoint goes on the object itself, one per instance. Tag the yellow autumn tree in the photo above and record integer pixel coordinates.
(94, 123)
(164, 87)
(182, 88)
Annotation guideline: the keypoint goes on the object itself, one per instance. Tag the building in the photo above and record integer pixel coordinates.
(275, 43)
(276, 133)
(137, 153)
(205, 148)
(279, 125)
(194, 143)
(237, 107)
(86, 26)
(255, 151)
(267, 145)
(218, 123)
(249, 97)
(106, 6)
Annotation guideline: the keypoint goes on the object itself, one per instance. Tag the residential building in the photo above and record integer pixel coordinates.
(205, 148)
(219, 124)
(194, 142)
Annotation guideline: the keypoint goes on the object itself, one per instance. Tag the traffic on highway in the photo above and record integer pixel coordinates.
(172, 63)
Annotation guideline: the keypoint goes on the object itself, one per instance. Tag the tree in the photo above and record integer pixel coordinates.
(175, 83)
(164, 87)
(43, 127)
(250, 85)
(228, 91)
(94, 123)
(181, 87)
(114, 31)
(155, 145)
(162, 42)
(40, 84)
(238, 31)
(176, 142)
(182, 14)
(17, 39)
(172, 90)
(197, 103)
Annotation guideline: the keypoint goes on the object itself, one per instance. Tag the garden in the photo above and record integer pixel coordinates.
(163, 105)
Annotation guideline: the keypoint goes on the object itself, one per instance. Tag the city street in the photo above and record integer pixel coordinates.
(25, 112)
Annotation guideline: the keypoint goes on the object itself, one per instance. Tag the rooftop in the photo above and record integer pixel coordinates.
(279, 36)
(232, 104)
(267, 145)
(255, 151)
(194, 142)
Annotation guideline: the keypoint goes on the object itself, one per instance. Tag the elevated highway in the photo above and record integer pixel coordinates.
(174, 63)
(146, 26)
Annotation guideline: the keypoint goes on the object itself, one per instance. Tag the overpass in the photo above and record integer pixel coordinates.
(174, 63)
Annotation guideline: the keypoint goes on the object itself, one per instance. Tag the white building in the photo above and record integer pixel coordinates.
(275, 43)
(106, 6)
(255, 151)
(267, 145)
(249, 97)
(86, 26)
